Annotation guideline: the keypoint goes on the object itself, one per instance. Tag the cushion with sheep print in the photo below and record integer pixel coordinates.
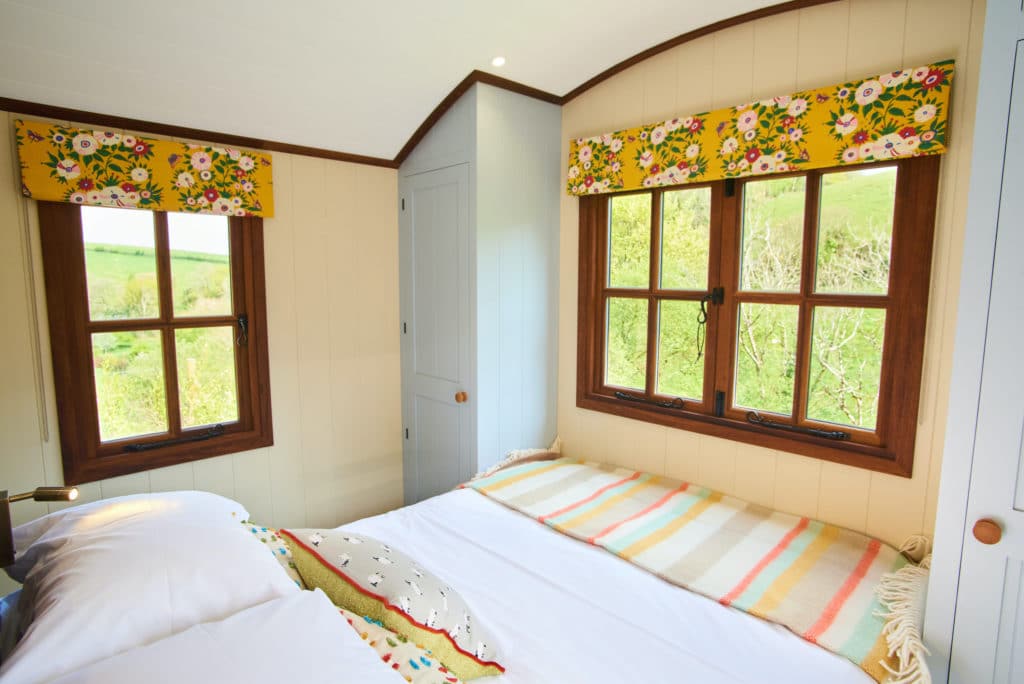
(370, 578)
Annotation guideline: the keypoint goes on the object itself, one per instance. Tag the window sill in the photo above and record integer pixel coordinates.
(874, 458)
(82, 470)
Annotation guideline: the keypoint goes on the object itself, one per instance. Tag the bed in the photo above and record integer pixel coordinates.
(564, 611)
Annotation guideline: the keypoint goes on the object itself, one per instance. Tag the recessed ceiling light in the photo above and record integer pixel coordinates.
(498, 61)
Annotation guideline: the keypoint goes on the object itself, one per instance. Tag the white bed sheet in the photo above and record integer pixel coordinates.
(300, 638)
(569, 613)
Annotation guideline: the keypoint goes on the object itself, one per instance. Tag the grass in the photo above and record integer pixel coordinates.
(129, 366)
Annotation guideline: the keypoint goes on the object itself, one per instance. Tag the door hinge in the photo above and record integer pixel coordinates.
(718, 295)
(405, 328)
(403, 204)
(407, 433)
(730, 187)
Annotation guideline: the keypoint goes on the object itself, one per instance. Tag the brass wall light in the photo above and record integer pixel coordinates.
(38, 494)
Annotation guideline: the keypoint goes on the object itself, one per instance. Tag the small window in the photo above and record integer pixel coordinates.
(762, 309)
(158, 333)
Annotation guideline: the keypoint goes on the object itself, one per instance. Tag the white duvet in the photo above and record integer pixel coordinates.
(569, 613)
(564, 613)
(299, 638)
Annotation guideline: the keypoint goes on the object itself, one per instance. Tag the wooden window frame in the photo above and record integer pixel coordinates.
(86, 458)
(890, 447)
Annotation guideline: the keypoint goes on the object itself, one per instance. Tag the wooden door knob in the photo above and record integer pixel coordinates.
(988, 531)
(461, 397)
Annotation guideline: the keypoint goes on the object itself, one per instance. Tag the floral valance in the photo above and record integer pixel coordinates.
(899, 114)
(113, 169)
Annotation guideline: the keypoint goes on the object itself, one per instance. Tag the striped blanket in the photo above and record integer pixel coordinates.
(815, 579)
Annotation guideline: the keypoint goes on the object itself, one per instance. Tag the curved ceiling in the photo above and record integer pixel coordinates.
(355, 77)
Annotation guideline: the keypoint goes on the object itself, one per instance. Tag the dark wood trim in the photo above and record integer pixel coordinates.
(157, 128)
(85, 457)
(889, 447)
(474, 77)
(682, 38)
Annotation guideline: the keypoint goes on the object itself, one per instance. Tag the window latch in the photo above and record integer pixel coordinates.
(243, 331)
(716, 297)
(755, 418)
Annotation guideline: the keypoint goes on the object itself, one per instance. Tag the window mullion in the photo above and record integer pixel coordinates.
(164, 285)
(805, 318)
(724, 316)
(652, 301)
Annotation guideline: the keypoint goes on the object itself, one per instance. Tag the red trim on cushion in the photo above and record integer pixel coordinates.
(387, 604)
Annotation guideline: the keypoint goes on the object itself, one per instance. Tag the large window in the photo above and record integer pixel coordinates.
(158, 332)
(786, 311)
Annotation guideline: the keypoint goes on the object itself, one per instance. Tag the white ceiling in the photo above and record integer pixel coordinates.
(356, 77)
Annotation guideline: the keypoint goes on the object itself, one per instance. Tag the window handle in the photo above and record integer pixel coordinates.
(717, 297)
(756, 418)
(216, 431)
(243, 331)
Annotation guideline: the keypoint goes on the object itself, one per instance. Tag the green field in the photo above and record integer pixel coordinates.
(129, 365)
(853, 257)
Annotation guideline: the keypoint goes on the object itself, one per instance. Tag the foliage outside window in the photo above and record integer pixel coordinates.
(158, 332)
(786, 311)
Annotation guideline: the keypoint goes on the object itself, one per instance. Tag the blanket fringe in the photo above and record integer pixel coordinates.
(902, 596)
(917, 547)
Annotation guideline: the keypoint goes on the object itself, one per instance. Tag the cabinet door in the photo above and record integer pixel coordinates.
(436, 374)
(988, 641)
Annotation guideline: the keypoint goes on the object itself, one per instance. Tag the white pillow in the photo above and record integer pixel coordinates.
(299, 638)
(106, 577)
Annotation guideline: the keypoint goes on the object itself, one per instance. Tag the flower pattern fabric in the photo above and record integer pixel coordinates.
(891, 116)
(112, 169)
(277, 547)
(414, 662)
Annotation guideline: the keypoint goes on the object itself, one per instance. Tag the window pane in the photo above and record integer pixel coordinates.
(680, 372)
(626, 363)
(629, 241)
(773, 234)
(685, 239)
(130, 395)
(206, 375)
(855, 231)
(120, 263)
(846, 365)
(200, 269)
(766, 357)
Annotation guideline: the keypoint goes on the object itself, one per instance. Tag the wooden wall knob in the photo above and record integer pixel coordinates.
(988, 531)
(461, 397)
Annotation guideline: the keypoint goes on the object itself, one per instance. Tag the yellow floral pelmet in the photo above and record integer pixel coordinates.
(899, 114)
(112, 169)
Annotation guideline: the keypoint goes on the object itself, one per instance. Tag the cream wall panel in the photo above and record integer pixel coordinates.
(755, 474)
(660, 96)
(797, 484)
(821, 44)
(802, 49)
(173, 478)
(844, 495)
(695, 75)
(332, 305)
(776, 44)
(875, 37)
(732, 71)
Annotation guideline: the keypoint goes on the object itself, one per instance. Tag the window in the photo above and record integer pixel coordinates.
(158, 333)
(786, 311)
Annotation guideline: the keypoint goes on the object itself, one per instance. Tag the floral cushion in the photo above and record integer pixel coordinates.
(370, 578)
(412, 661)
(278, 547)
